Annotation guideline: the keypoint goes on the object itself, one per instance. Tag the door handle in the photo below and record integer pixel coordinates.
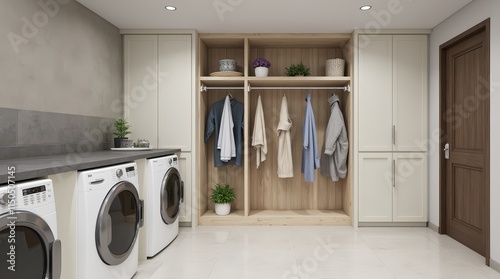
(447, 151)
(394, 173)
(394, 134)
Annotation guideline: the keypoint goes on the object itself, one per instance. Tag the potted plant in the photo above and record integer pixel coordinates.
(261, 67)
(298, 70)
(222, 195)
(121, 131)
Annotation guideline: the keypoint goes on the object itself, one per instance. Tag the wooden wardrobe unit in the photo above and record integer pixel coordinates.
(262, 197)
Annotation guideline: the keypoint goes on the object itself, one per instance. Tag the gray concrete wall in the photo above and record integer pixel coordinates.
(60, 66)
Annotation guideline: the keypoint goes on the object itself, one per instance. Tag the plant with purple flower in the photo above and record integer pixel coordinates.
(261, 62)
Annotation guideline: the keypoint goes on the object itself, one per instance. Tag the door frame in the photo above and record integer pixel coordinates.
(483, 26)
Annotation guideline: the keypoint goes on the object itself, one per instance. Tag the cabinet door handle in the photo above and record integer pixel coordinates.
(394, 134)
(394, 173)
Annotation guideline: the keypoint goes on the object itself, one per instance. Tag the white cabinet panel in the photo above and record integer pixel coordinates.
(185, 172)
(141, 90)
(410, 191)
(175, 89)
(375, 187)
(392, 187)
(375, 93)
(410, 92)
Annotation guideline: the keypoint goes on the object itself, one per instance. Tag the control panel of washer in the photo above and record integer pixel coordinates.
(35, 195)
(26, 194)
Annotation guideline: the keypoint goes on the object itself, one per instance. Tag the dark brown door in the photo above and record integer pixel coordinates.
(465, 120)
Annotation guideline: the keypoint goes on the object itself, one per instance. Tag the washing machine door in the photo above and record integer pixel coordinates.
(171, 196)
(118, 223)
(28, 247)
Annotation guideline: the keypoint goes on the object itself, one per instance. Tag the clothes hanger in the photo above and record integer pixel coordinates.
(229, 94)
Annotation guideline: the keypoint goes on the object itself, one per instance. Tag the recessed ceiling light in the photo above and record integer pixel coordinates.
(365, 7)
(170, 8)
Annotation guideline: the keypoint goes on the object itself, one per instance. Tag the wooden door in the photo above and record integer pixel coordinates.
(375, 187)
(465, 119)
(410, 187)
(375, 93)
(410, 92)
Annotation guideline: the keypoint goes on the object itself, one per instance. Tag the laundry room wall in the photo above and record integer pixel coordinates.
(470, 15)
(60, 76)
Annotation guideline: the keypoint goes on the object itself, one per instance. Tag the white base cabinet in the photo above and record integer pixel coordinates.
(392, 187)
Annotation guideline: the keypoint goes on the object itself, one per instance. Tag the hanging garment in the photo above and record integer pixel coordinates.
(310, 156)
(285, 161)
(213, 126)
(259, 141)
(334, 157)
(226, 136)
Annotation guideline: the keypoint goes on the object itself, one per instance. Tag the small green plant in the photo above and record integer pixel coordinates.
(122, 128)
(222, 193)
(298, 70)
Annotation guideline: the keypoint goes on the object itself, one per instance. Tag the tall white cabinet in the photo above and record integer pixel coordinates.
(392, 128)
(159, 97)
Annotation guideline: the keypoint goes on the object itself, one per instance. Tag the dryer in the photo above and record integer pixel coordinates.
(164, 188)
(28, 231)
(109, 216)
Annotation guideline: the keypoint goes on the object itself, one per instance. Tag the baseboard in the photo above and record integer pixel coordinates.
(185, 224)
(392, 224)
(433, 227)
(495, 265)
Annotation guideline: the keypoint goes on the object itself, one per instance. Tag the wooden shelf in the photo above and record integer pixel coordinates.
(299, 81)
(278, 218)
(277, 81)
(222, 81)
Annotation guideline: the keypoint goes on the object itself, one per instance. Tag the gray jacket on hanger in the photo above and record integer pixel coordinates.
(334, 157)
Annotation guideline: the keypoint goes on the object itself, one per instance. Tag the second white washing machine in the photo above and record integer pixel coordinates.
(165, 189)
(109, 216)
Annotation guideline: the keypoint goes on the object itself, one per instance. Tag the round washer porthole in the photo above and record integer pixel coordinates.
(170, 196)
(118, 223)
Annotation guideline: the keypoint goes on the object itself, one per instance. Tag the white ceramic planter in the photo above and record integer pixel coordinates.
(222, 208)
(261, 71)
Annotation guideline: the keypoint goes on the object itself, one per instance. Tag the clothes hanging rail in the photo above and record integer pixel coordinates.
(346, 88)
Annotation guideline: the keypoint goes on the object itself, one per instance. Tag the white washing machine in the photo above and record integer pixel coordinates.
(28, 231)
(165, 190)
(109, 216)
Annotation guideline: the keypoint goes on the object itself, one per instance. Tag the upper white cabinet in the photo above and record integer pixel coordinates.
(141, 87)
(158, 89)
(392, 93)
(174, 92)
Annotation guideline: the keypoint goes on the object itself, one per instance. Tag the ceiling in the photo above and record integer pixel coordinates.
(275, 16)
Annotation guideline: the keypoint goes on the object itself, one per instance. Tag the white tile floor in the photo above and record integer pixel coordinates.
(314, 252)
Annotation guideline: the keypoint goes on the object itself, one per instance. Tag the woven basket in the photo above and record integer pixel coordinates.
(335, 67)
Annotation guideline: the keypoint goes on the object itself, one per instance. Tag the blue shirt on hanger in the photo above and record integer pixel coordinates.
(310, 154)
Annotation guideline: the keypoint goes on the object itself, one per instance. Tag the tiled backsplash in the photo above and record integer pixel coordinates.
(26, 133)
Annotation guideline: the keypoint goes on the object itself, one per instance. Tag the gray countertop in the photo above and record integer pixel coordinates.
(34, 167)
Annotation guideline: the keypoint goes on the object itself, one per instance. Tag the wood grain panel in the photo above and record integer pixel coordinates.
(203, 157)
(281, 58)
(231, 174)
(267, 191)
(216, 54)
(468, 107)
(468, 195)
